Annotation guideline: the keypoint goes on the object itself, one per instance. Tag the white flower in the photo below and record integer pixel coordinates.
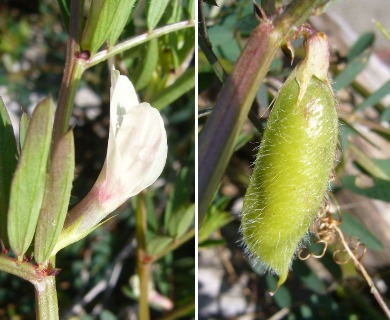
(136, 155)
(137, 145)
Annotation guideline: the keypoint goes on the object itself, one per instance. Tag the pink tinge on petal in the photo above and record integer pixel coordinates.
(103, 194)
(160, 301)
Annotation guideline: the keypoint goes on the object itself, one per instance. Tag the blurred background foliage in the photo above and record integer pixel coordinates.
(97, 278)
(229, 288)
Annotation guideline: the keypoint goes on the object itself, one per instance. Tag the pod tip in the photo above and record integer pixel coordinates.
(282, 279)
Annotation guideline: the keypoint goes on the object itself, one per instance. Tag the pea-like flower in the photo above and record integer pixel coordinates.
(137, 146)
(136, 155)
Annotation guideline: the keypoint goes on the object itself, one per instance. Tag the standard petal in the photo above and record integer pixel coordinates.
(143, 143)
(160, 156)
(123, 98)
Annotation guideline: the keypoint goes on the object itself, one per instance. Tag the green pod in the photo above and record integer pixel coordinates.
(294, 163)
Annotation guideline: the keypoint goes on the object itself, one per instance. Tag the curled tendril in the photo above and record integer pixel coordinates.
(305, 254)
(341, 256)
(358, 249)
(326, 234)
(328, 231)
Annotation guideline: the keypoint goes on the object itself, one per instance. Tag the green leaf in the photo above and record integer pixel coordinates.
(350, 72)
(106, 20)
(191, 9)
(176, 49)
(380, 189)
(144, 71)
(56, 199)
(345, 132)
(65, 11)
(182, 85)
(329, 263)
(181, 220)
(172, 13)
(8, 161)
(209, 243)
(364, 42)
(224, 41)
(358, 132)
(155, 12)
(306, 311)
(368, 165)
(352, 227)
(247, 24)
(214, 219)
(107, 315)
(96, 29)
(23, 127)
(122, 15)
(28, 184)
(383, 164)
(382, 29)
(385, 116)
(151, 216)
(180, 195)
(375, 97)
(157, 244)
(242, 140)
(308, 277)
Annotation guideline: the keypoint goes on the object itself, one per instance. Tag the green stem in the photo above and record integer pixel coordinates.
(75, 67)
(70, 83)
(46, 298)
(23, 270)
(45, 288)
(143, 265)
(206, 47)
(135, 41)
(217, 139)
(72, 75)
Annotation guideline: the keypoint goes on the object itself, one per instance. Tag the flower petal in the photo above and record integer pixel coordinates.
(141, 143)
(123, 98)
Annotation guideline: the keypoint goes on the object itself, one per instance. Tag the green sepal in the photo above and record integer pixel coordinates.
(28, 184)
(56, 200)
(8, 161)
(71, 235)
(23, 127)
(106, 20)
(155, 11)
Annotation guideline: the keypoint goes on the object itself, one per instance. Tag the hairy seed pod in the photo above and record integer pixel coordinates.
(294, 163)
